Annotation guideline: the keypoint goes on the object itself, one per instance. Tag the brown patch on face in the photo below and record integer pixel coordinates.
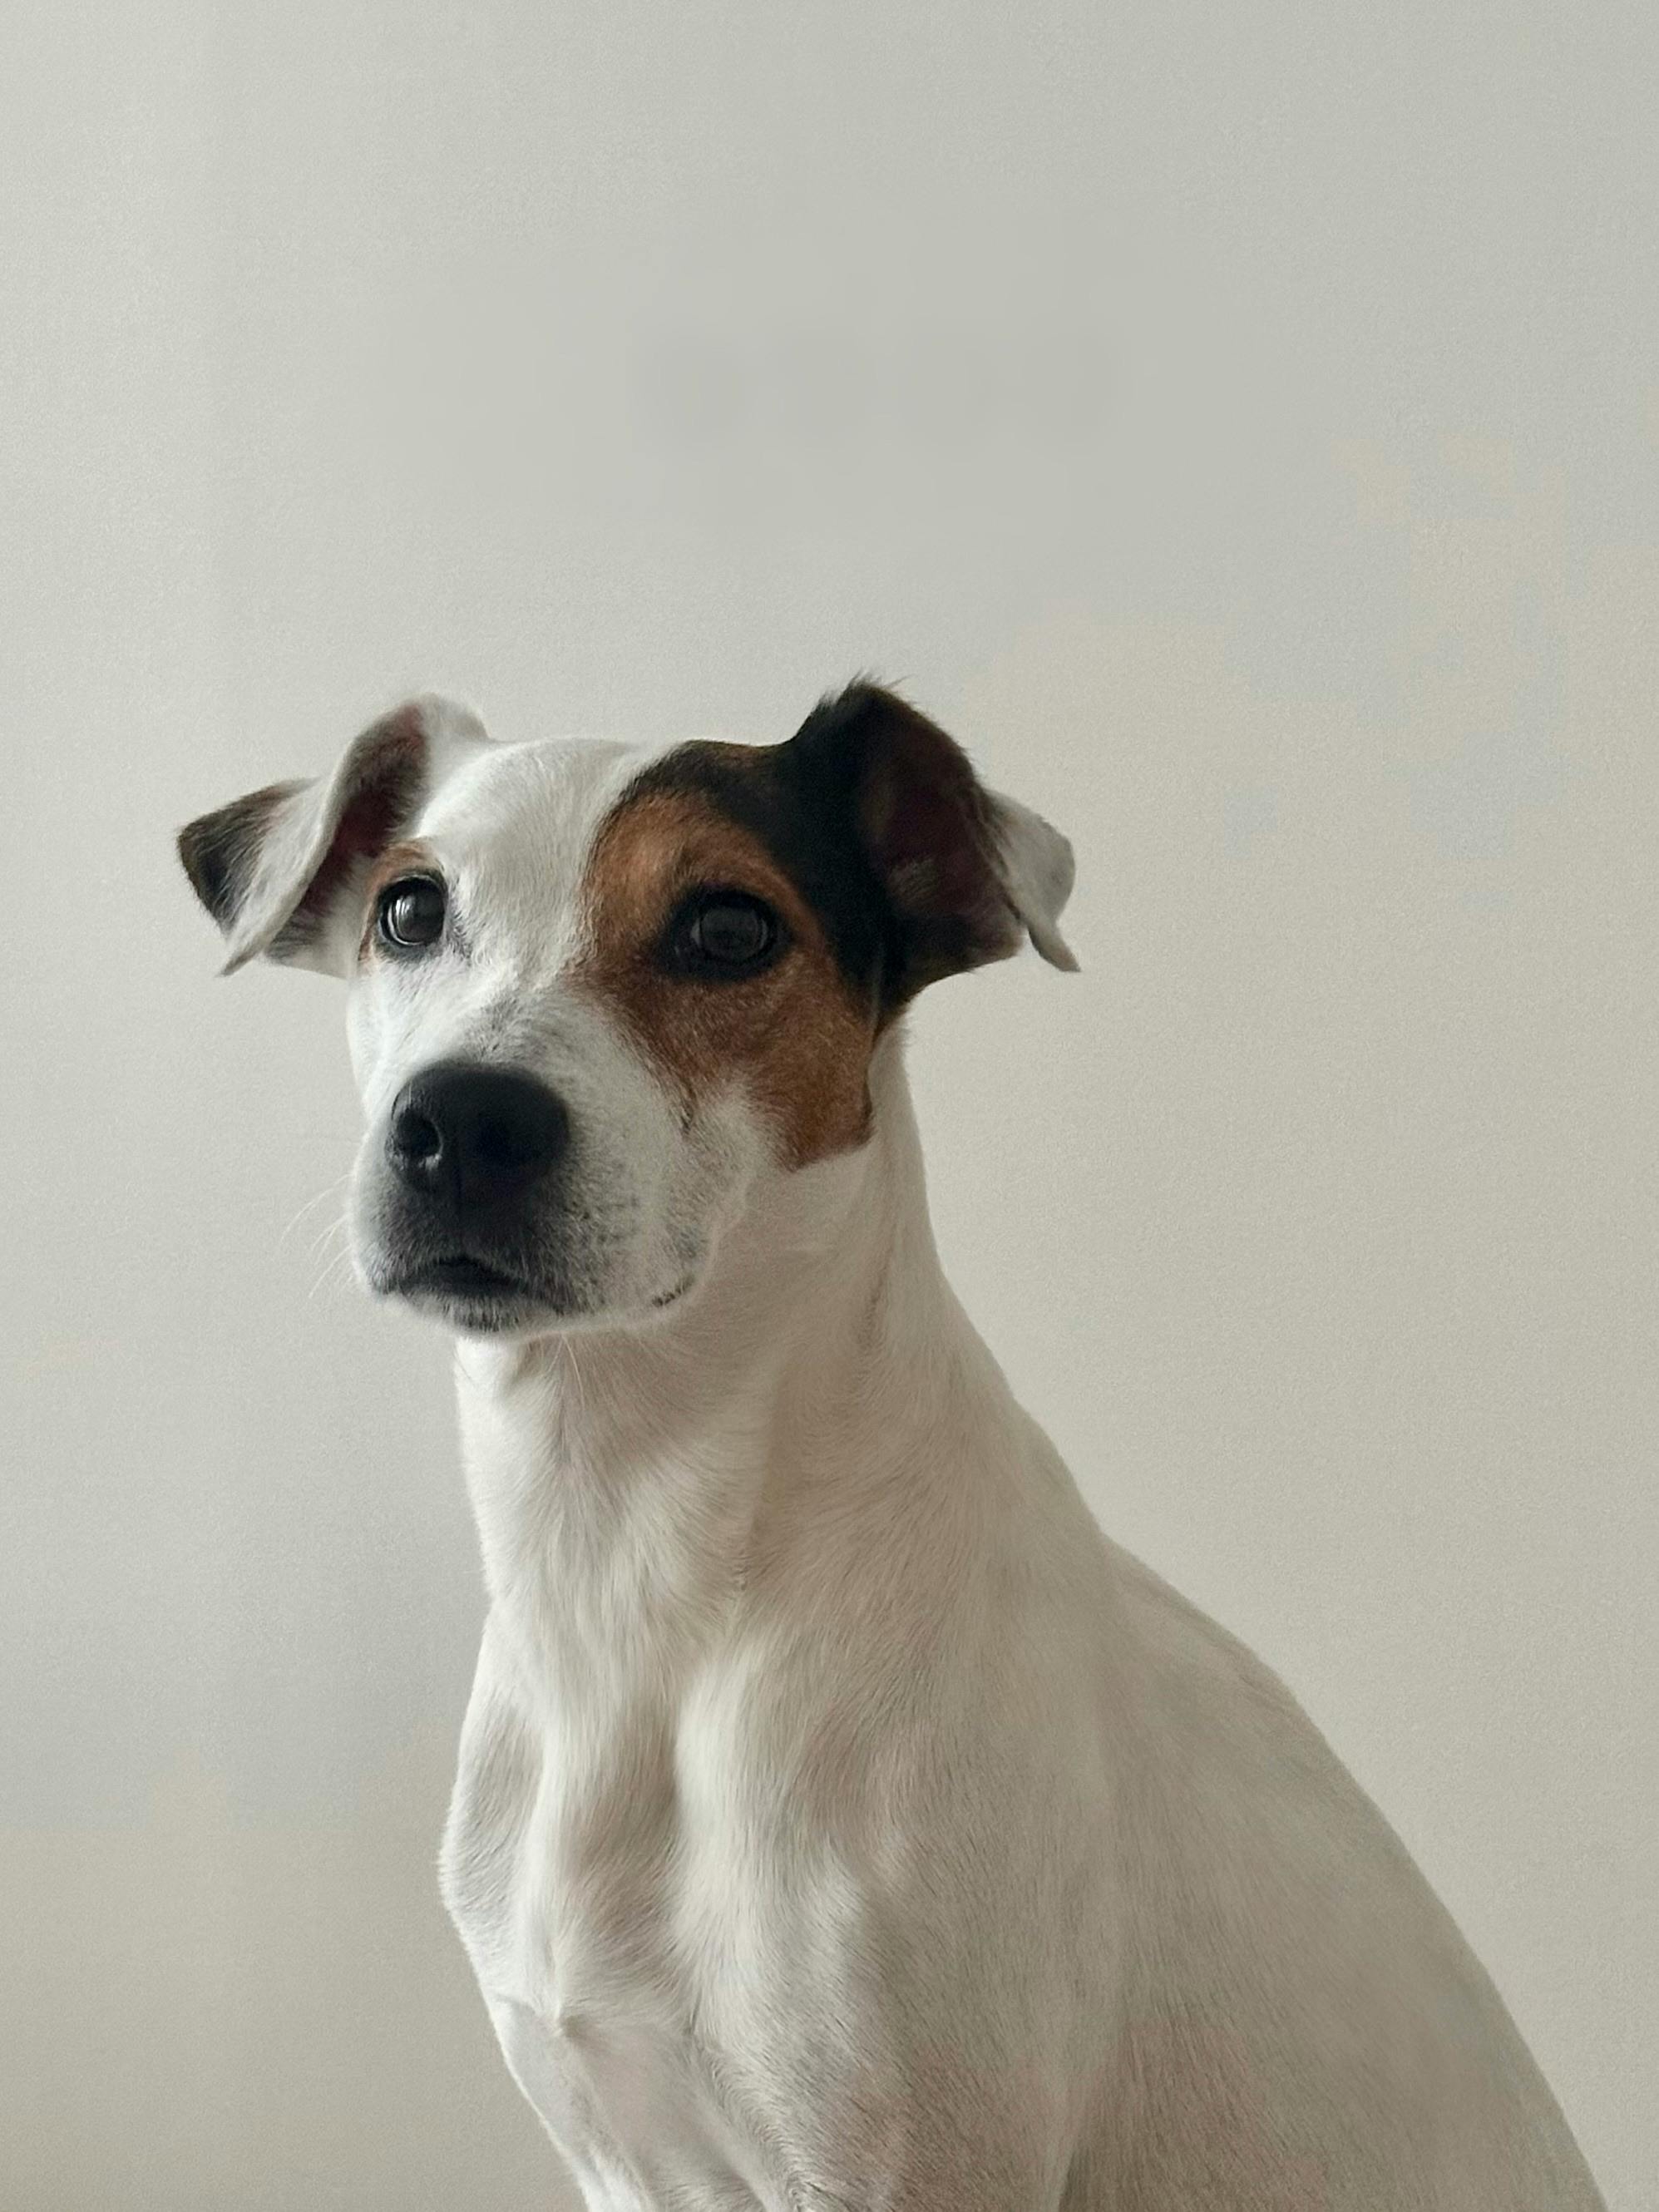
(794, 1034)
(410, 859)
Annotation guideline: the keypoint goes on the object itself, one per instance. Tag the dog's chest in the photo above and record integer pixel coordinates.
(572, 1867)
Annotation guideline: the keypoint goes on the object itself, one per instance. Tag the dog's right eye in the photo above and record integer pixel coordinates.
(410, 913)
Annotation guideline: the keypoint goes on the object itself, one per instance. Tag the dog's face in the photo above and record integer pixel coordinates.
(599, 996)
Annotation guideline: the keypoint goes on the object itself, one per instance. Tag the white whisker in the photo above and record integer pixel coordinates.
(328, 1191)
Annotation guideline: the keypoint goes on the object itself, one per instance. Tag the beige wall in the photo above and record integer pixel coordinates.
(1242, 425)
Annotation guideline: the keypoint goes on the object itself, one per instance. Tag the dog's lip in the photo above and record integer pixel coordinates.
(458, 1273)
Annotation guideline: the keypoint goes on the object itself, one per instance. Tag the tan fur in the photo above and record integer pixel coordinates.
(794, 1034)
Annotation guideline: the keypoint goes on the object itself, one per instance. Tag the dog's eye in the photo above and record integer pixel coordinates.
(725, 934)
(411, 913)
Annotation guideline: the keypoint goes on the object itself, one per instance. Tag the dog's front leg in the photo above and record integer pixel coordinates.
(952, 2141)
(960, 2183)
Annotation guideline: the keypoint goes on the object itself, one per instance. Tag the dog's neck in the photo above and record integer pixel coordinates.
(644, 1468)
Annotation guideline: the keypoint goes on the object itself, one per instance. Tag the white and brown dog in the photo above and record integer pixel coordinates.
(842, 1822)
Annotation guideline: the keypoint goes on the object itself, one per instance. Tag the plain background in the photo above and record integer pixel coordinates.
(1240, 426)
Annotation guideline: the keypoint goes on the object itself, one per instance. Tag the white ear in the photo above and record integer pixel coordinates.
(278, 869)
(1037, 871)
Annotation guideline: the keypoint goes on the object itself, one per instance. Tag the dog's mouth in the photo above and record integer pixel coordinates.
(457, 1274)
(506, 1294)
(470, 1292)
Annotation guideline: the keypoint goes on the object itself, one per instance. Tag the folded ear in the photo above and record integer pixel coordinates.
(967, 875)
(280, 870)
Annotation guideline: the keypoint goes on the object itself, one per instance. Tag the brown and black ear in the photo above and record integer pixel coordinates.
(279, 869)
(966, 874)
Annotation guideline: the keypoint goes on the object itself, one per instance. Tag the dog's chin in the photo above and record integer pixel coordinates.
(473, 1296)
(477, 1298)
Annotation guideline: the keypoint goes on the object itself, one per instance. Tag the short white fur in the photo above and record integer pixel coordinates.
(842, 1824)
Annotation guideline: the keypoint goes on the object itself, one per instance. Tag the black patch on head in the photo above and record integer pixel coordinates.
(877, 818)
(799, 801)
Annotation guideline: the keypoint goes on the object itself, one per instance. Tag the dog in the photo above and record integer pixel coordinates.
(842, 1823)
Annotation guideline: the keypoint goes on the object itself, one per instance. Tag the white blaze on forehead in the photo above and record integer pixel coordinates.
(508, 830)
(512, 830)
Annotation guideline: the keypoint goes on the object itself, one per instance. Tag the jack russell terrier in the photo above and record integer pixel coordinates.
(842, 1823)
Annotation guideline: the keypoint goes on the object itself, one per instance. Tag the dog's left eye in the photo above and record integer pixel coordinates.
(724, 934)
(411, 913)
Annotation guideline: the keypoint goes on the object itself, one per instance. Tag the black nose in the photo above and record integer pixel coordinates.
(472, 1136)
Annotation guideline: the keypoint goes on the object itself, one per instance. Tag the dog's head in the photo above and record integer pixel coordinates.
(599, 995)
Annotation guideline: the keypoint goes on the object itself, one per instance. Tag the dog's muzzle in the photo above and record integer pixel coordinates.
(469, 1147)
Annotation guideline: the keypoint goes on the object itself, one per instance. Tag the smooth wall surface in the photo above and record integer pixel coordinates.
(1241, 427)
